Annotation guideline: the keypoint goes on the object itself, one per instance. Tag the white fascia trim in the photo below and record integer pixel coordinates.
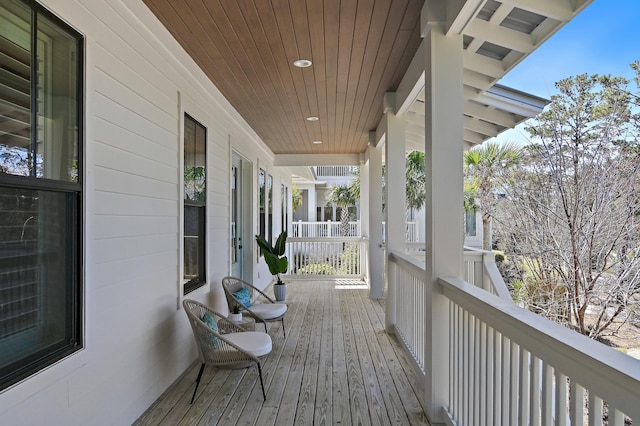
(291, 160)
(512, 100)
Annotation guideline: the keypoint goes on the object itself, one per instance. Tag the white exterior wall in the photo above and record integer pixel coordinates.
(137, 339)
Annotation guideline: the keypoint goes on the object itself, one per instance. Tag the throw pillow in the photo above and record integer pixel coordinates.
(208, 319)
(243, 296)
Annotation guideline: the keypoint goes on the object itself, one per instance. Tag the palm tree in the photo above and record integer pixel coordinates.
(354, 184)
(343, 197)
(485, 166)
(296, 198)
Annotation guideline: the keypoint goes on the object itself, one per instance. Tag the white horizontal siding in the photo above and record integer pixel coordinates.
(137, 340)
(113, 112)
(133, 226)
(139, 145)
(148, 86)
(125, 204)
(133, 99)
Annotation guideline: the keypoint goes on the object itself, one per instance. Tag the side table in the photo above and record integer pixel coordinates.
(248, 323)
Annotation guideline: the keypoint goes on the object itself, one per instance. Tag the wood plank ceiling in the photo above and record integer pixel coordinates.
(360, 49)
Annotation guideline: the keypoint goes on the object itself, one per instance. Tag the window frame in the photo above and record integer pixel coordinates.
(262, 204)
(284, 197)
(190, 285)
(73, 215)
(269, 226)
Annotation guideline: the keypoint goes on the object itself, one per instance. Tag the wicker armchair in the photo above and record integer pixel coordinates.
(264, 312)
(232, 346)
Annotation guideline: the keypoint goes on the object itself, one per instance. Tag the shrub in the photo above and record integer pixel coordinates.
(350, 259)
(317, 269)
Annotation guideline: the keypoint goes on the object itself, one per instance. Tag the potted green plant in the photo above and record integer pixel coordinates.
(276, 261)
(235, 315)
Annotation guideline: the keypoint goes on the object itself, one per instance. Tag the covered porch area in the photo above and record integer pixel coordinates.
(337, 365)
(433, 338)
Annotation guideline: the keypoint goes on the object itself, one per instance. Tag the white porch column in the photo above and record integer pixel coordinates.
(444, 233)
(311, 206)
(371, 205)
(396, 211)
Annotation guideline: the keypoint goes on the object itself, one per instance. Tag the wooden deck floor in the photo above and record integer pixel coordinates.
(336, 366)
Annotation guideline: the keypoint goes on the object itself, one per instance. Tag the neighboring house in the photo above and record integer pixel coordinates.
(315, 207)
(473, 229)
(130, 180)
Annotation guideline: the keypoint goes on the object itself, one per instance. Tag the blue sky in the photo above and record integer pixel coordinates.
(603, 39)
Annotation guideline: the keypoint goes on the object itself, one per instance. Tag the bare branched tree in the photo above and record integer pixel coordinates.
(572, 215)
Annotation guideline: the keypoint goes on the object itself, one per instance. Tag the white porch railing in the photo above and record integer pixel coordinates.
(407, 274)
(413, 231)
(509, 366)
(305, 229)
(301, 229)
(412, 234)
(480, 270)
(344, 257)
(336, 171)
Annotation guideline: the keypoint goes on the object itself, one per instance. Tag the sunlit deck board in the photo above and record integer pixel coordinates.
(336, 366)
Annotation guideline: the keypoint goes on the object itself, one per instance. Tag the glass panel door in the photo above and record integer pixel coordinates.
(237, 219)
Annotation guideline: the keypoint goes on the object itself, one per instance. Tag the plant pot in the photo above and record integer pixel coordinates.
(235, 317)
(280, 292)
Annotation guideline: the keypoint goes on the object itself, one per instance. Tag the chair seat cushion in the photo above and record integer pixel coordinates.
(269, 310)
(254, 342)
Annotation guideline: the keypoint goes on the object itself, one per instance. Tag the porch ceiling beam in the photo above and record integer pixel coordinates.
(414, 128)
(417, 108)
(415, 113)
(415, 146)
(477, 80)
(492, 115)
(412, 83)
(468, 145)
(560, 10)
(481, 127)
(415, 131)
(473, 137)
(475, 45)
(501, 36)
(501, 13)
(415, 140)
(460, 13)
(496, 112)
(290, 160)
(470, 92)
(483, 64)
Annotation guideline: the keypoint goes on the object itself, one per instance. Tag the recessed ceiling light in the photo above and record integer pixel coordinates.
(312, 118)
(317, 142)
(302, 63)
